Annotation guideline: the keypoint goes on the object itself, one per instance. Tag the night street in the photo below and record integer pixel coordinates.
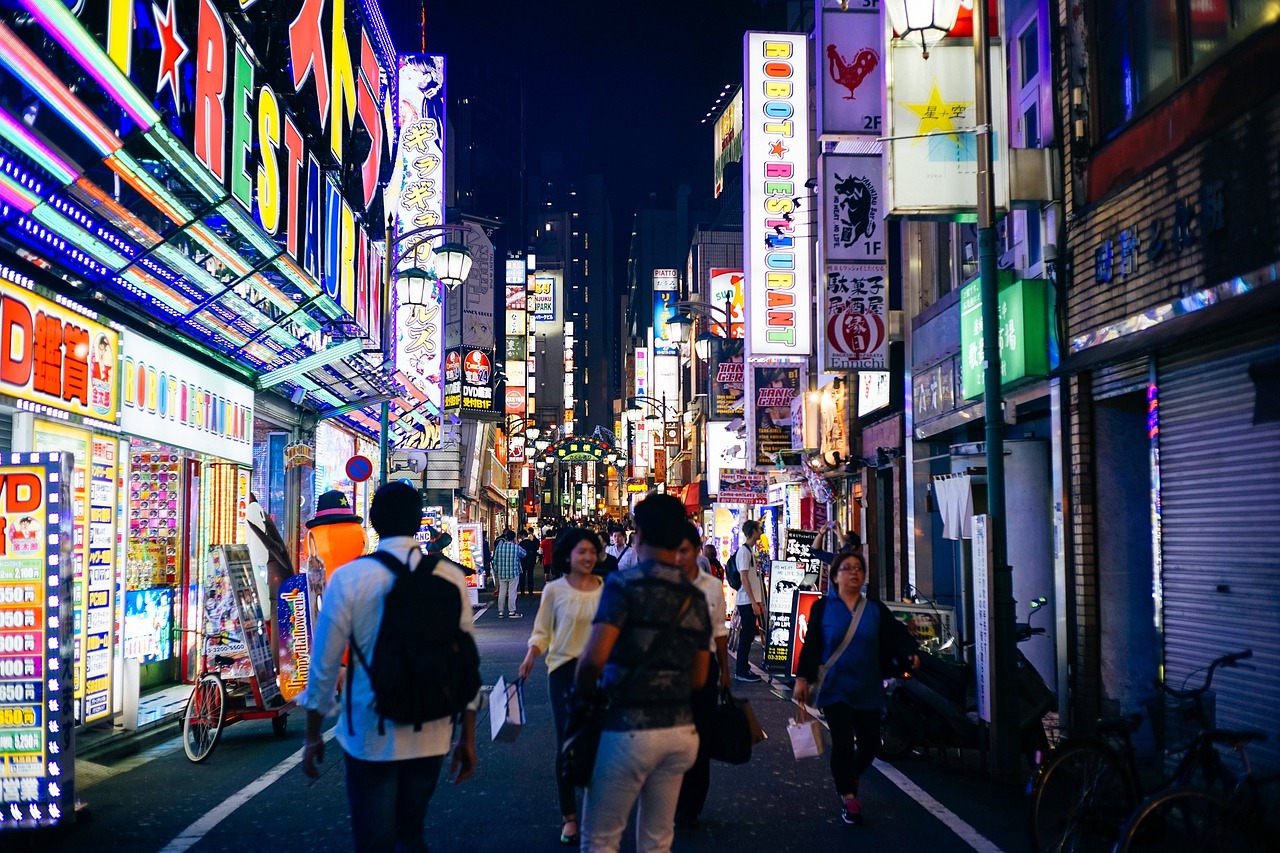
(251, 794)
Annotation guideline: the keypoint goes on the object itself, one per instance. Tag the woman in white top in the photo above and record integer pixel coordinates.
(561, 629)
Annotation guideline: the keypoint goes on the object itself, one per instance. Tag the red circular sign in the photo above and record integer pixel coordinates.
(359, 468)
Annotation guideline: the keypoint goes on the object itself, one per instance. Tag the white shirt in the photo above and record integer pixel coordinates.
(628, 559)
(712, 588)
(746, 562)
(353, 606)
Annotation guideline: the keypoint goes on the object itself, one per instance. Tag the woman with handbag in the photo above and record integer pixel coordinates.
(560, 630)
(848, 638)
(649, 650)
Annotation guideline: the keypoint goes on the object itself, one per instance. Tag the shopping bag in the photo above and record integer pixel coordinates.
(733, 731)
(506, 710)
(806, 738)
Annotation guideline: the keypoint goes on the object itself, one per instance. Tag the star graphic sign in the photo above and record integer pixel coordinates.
(938, 115)
(172, 51)
(777, 149)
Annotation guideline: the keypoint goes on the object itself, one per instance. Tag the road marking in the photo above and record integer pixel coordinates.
(190, 836)
(950, 819)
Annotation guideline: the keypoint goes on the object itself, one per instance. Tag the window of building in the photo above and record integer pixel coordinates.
(1144, 48)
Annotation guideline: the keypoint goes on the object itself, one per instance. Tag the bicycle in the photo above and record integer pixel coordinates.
(1187, 818)
(1088, 788)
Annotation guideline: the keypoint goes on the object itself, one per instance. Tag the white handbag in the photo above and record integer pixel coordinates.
(506, 710)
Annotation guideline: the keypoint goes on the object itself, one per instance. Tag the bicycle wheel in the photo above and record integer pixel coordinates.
(203, 719)
(1183, 820)
(1082, 796)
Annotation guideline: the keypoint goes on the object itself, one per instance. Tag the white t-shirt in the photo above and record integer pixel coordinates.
(710, 587)
(746, 561)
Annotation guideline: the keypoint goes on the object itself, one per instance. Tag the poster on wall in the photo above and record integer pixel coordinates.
(727, 388)
(773, 388)
(37, 706)
(851, 81)
(785, 578)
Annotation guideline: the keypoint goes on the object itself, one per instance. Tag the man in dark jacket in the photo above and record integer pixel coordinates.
(530, 559)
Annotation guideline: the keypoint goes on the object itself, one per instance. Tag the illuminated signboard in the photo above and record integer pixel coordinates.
(55, 357)
(542, 297)
(171, 398)
(850, 73)
(37, 765)
(515, 271)
(419, 181)
(664, 308)
(148, 624)
(779, 299)
(1023, 309)
(275, 100)
(728, 141)
(725, 288)
(469, 380)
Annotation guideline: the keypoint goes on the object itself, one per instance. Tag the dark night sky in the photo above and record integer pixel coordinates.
(618, 87)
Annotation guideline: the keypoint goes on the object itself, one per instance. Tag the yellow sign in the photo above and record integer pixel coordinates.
(56, 357)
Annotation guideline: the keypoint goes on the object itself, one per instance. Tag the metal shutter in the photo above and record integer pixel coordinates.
(1113, 380)
(1220, 489)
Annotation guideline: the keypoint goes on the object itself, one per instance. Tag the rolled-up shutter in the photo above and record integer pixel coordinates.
(1220, 489)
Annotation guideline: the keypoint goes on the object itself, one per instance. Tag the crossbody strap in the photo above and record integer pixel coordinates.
(858, 610)
(649, 653)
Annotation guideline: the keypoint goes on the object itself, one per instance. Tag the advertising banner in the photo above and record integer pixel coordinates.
(850, 74)
(856, 312)
(664, 308)
(873, 391)
(148, 624)
(56, 357)
(253, 625)
(742, 487)
(799, 548)
(833, 421)
(37, 761)
(469, 548)
(725, 448)
(476, 293)
(932, 149)
(1023, 309)
(852, 210)
(777, 241)
(785, 578)
(469, 380)
(725, 292)
(727, 382)
(728, 141)
(932, 626)
(170, 398)
(515, 401)
(295, 613)
(772, 389)
(804, 602)
(542, 298)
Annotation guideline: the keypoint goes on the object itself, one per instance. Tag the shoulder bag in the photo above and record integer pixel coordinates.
(804, 732)
(585, 725)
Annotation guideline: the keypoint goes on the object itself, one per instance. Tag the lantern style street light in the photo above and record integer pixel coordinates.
(924, 22)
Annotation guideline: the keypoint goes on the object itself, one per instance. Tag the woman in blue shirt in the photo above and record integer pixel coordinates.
(849, 689)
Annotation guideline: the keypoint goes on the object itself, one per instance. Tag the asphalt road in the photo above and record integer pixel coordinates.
(251, 794)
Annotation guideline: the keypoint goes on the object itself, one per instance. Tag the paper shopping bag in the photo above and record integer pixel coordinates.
(506, 710)
(806, 738)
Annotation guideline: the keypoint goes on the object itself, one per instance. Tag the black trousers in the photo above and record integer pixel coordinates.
(697, 780)
(746, 633)
(847, 726)
(559, 681)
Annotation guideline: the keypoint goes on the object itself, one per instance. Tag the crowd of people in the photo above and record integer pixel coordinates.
(635, 627)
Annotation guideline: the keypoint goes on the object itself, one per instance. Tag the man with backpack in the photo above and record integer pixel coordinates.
(750, 596)
(414, 670)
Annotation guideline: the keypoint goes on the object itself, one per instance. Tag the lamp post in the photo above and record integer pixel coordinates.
(413, 284)
(927, 21)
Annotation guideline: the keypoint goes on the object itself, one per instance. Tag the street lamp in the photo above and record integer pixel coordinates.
(414, 285)
(928, 21)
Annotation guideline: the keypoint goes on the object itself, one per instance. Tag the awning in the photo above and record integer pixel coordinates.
(695, 496)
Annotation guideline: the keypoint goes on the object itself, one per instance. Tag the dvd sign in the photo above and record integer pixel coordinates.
(477, 380)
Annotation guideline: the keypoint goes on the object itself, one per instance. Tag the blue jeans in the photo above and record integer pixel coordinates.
(388, 801)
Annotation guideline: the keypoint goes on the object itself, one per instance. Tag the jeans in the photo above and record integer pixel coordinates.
(507, 590)
(559, 681)
(846, 724)
(388, 801)
(648, 764)
(697, 781)
(746, 633)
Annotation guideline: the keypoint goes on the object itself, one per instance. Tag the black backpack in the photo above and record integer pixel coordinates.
(425, 666)
(731, 573)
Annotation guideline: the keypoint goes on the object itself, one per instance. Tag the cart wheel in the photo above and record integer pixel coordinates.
(204, 717)
(279, 725)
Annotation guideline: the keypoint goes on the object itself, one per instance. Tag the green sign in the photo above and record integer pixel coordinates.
(1024, 332)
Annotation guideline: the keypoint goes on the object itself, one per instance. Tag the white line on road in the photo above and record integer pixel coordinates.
(198, 830)
(950, 819)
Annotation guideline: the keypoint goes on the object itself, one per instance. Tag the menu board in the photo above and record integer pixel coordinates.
(93, 564)
(800, 548)
(37, 756)
(785, 578)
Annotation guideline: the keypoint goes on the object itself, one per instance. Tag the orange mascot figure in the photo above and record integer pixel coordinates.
(336, 534)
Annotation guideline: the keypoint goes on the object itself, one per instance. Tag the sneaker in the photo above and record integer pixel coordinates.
(515, 615)
(502, 616)
(750, 678)
(851, 812)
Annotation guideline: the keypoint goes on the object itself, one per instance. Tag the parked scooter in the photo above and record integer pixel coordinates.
(936, 704)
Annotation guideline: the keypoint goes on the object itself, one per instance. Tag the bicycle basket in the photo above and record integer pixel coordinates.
(1175, 723)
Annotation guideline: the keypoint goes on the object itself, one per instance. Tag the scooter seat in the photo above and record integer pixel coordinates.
(1125, 725)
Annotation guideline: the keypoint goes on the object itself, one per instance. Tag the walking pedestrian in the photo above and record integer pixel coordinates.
(713, 562)
(848, 636)
(547, 546)
(528, 561)
(750, 599)
(560, 630)
(629, 554)
(506, 570)
(697, 780)
(392, 768)
(651, 629)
